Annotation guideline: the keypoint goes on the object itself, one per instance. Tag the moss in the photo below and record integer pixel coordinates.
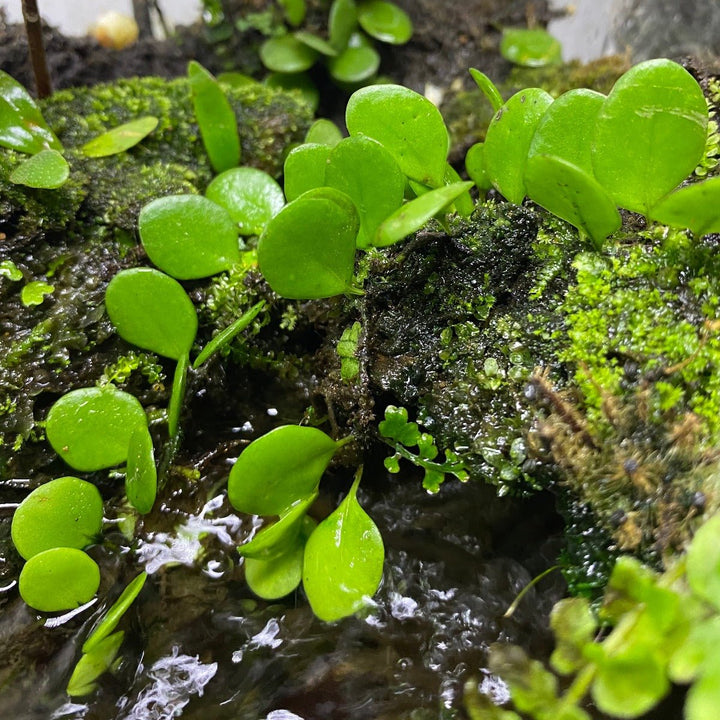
(464, 360)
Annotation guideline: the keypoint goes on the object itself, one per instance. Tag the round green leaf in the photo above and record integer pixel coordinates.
(46, 170)
(650, 133)
(407, 124)
(114, 613)
(413, 215)
(59, 579)
(703, 562)
(308, 249)
(66, 512)
(22, 126)
(367, 173)
(120, 138)
(342, 21)
(305, 169)
(385, 21)
(251, 197)
(90, 428)
(358, 62)
(530, 47)
(508, 140)
(296, 82)
(279, 468)
(324, 132)
(141, 474)
(151, 310)
(629, 686)
(316, 43)
(695, 206)
(565, 129)
(93, 664)
(189, 236)
(277, 538)
(215, 117)
(570, 193)
(286, 54)
(343, 561)
(275, 578)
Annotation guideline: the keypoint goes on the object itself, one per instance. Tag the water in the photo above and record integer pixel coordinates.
(198, 645)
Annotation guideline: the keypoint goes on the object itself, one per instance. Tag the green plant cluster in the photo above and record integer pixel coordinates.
(339, 561)
(651, 630)
(585, 154)
(345, 48)
(403, 435)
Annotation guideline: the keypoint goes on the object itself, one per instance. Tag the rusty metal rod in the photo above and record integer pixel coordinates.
(33, 28)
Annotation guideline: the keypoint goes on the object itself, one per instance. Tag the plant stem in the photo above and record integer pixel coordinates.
(141, 11)
(33, 28)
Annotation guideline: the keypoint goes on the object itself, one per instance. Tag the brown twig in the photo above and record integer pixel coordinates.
(33, 28)
(141, 11)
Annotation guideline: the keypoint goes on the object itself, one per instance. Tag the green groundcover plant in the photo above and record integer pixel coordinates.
(581, 156)
(651, 630)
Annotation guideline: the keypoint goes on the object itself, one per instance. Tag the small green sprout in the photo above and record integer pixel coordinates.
(141, 472)
(35, 292)
(90, 428)
(65, 512)
(342, 21)
(189, 236)
(216, 118)
(251, 197)
(343, 560)
(47, 170)
(102, 645)
(530, 47)
(347, 352)
(9, 270)
(61, 578)
(120, 138)
(308, 249)
(400, 434)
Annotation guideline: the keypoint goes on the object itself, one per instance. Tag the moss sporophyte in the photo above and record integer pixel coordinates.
(580, 156)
